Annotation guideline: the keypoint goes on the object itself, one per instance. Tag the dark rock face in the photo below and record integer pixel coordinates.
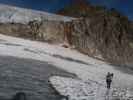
(106, 37)
(102, 33)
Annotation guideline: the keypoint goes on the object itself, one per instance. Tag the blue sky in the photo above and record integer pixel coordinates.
(123, 6)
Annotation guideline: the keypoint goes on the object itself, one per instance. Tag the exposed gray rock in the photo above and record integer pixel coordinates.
(107, 37)
(32, 24)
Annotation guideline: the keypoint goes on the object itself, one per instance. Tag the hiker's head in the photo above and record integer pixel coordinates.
(19, 96)
(108, 73)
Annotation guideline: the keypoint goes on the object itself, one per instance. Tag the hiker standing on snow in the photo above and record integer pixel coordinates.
(109, 78)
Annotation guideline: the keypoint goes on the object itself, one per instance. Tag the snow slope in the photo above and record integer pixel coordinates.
(86, 68)
(22, 15)
(76, 89)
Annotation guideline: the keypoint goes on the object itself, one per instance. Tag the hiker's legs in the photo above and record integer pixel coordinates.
(108, 84)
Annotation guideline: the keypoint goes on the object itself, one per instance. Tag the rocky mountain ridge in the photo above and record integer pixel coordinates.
(101, 33)
(106, 35)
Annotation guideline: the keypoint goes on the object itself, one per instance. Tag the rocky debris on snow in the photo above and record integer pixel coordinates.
(72, 88)
(76, 89)
(121, 94)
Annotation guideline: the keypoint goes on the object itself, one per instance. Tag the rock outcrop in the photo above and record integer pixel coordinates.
(32, 24)
(106, 35)
(101, 33)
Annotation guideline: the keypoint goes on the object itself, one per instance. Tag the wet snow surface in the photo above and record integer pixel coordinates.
(27, 75)
(27, 65)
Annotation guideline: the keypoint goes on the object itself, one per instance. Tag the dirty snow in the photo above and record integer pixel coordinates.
(86, 68)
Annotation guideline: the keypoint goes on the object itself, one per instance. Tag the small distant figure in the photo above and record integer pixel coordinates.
(20, 96)
(109, 78)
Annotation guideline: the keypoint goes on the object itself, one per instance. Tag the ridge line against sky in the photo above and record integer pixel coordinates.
(123, 6)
